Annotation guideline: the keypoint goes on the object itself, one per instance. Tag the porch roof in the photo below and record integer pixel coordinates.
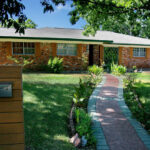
(63, 34)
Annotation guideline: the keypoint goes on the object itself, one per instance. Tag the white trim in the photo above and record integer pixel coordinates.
(49, 41)
(139, 52)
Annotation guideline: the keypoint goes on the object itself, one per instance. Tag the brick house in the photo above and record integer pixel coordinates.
(76, 49)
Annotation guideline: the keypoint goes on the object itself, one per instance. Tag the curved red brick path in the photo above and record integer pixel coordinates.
(119, 133)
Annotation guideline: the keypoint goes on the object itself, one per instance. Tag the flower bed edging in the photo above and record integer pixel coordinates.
(101, 143)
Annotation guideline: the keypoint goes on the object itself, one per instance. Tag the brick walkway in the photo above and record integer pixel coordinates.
(118, 132)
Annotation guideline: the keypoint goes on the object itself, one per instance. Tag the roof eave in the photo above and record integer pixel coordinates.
(126, 45)
(54, 39)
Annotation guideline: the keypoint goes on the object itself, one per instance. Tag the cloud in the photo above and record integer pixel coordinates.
(61, 7)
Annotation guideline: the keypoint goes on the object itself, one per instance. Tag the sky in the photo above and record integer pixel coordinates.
(59, 18)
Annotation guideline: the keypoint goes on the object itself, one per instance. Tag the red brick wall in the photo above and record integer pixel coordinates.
(5, 52)
(76, 63)
(43, 51)
(129, 61)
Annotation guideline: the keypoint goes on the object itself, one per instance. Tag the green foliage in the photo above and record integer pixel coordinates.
(95, 74)
(25, 60)
(30, 24)
(55, 65)
(127, 26)
(95, 70)
(84, 61)
(86, 85)
(82, 93)
(134, 68)
(83, 126)
(80, 99)
(10, 9)
(118, 11)
(110, 56)
(123, 16)
(130, 80)
(140, 108)
(118, 69)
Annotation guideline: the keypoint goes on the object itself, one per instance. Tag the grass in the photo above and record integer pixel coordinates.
(47, 103)
(143, 77)
(143, 87)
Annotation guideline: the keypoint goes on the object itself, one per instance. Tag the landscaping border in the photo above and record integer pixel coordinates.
(101, 143)
(142, 133)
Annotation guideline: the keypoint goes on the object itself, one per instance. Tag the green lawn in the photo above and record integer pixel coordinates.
(143, 87)
(47, 103)
(144, 77)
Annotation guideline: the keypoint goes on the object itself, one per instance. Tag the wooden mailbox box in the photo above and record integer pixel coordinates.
(11, 110)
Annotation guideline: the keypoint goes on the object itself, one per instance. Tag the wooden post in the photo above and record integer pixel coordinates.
(120, 56)
(54, 49)
(11, 110)
(131, 52)
(79, 50)
(147, 53)
(101, 54)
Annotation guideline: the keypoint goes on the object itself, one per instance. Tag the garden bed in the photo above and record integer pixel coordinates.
(80, 121)
(137, 97)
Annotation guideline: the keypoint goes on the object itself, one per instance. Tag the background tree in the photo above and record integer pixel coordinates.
(94, 12)
(30, 24)
(131, 27)
(9, 9)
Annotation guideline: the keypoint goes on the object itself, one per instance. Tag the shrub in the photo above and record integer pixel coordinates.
(95, 74)
(55, 65)
(134, 68)
(84, 61)
(82, 93)
(118, 69)
(83, 125)
(95, 70)
(23, 61)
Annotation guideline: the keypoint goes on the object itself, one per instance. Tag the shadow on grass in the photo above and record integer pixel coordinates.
(143, 90)
(46, 110)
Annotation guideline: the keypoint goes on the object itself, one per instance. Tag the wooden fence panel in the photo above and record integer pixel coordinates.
(12, 147)
(11, 128)
(14, 106)
(11, 111)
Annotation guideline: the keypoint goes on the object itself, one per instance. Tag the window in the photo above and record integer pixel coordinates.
(20, 48)
(139, 52)
(67, 49)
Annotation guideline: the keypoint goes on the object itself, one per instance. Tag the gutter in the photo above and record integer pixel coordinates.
(54, 39)
(131, 44)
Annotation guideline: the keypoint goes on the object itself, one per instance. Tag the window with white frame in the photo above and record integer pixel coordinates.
(66, 49)
(20, 48)
(139, 52)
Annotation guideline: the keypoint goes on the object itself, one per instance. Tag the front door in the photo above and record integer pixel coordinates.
(90, 55)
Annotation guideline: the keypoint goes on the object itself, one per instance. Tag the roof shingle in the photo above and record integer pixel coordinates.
(62, 33)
